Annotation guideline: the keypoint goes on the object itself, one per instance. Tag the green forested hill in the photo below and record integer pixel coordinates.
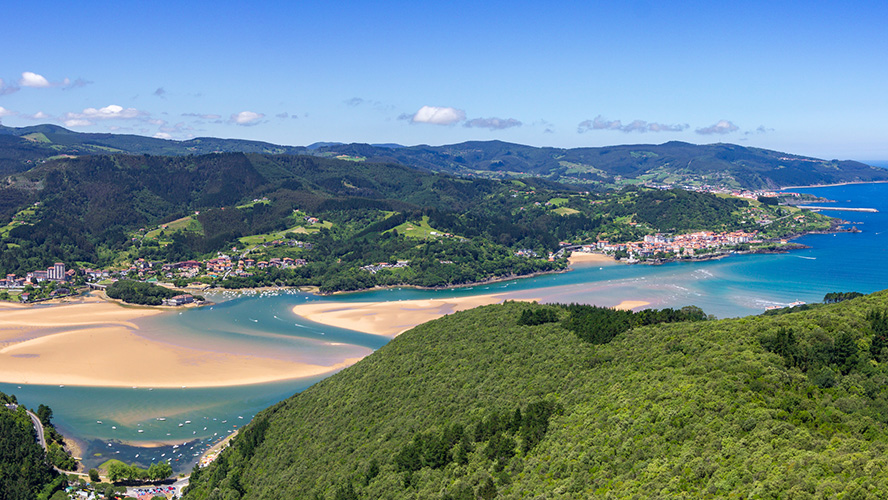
(109, 210)
(475, 406)
(83, 209)
(674, 163)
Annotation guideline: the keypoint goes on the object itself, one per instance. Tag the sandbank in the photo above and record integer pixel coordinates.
(104, 348)
(115, 356)
(91, 312)
(390, 318)
(577, 257)
(631, 304)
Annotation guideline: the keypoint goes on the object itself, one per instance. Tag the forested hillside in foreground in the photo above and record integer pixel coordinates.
(474, 405)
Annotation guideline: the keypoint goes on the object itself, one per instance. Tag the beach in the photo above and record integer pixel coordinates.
(584, 257)
(390, 318)
(97, 343)
(631, 304)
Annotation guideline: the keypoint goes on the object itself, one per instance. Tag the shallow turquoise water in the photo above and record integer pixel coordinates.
(735, 286)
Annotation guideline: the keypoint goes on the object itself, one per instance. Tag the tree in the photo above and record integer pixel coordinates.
(118, 471)
(845, 352)
(159, 471)
(93, 476)
(487, 490)
(44, 413)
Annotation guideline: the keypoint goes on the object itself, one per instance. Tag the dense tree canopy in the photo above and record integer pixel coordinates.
(787, 405)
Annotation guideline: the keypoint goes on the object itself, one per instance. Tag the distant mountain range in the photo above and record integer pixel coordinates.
(672, 163)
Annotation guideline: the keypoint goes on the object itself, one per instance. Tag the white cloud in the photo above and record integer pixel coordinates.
(438, 115)
(246, 118)
(722, 127)
(77, 122)
(5, 112)
(109, 112)
(162, 135)
(40, 115)
(493, 123)
(599, 123)
(33, 80)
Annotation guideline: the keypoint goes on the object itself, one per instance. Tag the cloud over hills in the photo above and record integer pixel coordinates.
(722, 127)
(436, 115)
(246, 118)
(599, 123)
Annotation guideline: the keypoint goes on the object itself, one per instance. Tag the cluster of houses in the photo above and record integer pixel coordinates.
(706, 188)
(375, 268)
(739, 193)
(526, 252)
(684, 245)
(55, 273)
(215, 267)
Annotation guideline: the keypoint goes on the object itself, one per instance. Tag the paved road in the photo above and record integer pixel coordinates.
(41, 438)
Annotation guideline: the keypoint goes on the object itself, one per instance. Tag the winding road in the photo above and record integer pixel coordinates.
(38, 426)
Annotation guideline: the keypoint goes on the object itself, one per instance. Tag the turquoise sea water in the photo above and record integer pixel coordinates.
(736, 286)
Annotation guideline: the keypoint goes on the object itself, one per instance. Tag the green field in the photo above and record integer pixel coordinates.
(418, 229)
(258, 239)
(263, 201)
(37, 137)
(184, 224)
(565, 211)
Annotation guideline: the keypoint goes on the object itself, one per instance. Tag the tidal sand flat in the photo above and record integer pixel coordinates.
(390, 318)
(96, 343)
(631, 304)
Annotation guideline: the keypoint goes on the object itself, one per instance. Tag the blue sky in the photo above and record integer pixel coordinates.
(806, 78)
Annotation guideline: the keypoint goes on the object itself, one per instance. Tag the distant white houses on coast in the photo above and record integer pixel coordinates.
(179, 300)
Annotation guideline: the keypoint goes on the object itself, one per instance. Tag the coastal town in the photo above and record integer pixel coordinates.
(58, 281)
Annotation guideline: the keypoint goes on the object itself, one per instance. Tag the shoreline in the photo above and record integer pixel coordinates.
(57, 344)
(390, 319)
(97, 343)
(783, 188)
(497, 279)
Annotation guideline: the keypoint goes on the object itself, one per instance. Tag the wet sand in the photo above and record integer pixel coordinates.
(631, 304)
(390, 318)
(97, 343)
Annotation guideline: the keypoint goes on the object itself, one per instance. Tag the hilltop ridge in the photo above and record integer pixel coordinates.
(672, 163)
